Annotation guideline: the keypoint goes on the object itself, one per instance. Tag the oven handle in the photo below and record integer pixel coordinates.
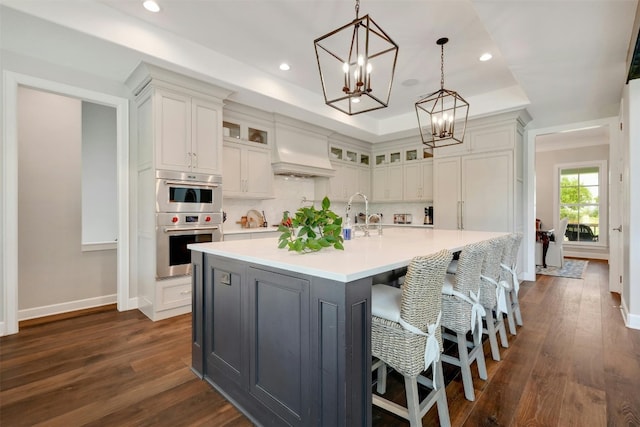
(192, 184)
(171, 230)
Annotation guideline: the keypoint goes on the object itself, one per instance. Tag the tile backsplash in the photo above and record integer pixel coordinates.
(291, 193)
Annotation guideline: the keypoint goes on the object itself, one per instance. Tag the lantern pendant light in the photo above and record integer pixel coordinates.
(442, 115)
(356, 62)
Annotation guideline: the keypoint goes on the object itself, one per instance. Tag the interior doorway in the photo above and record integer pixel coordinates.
(10, 262)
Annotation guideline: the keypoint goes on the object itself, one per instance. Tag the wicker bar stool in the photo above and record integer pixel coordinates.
(462, 313)
(406, 336)
(493, 295)
(510, 276)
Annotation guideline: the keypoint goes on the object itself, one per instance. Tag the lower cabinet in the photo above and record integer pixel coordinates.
(279, 351)
(228, 237)
(274, 342)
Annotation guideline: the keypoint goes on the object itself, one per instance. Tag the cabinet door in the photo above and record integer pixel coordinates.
(395, 183)
(379, 178)
(412, 181)
(427, 180)
(364, 181)
(223, 300)
(337, 190)
(279, 349)
(231, 176)
(205, 137)
(446, 192)
(258, 173)
(350, 177)
(173, 131)
(487, 192)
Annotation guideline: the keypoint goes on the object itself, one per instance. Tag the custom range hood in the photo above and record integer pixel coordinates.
(300, 151)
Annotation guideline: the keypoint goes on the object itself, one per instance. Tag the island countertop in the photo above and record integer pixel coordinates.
(362, 256)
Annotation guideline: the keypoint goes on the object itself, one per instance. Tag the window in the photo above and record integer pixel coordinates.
(582, 199)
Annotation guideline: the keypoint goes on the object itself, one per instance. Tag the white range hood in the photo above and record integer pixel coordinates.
(300, 152)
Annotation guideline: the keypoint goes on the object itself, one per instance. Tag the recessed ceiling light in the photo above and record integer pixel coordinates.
(151, 6)
(410, 82)
(485, 57)
(285, 67)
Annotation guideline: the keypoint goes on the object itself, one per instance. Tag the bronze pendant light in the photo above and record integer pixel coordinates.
(442, 116)
(356, 62)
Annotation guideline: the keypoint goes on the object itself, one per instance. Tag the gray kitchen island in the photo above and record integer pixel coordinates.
(286, 336)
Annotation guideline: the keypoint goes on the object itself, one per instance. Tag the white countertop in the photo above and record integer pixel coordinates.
(362, 257)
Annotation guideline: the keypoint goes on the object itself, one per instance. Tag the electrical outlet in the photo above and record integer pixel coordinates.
(225, 278)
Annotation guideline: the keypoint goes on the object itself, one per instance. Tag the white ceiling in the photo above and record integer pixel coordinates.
(562, 60)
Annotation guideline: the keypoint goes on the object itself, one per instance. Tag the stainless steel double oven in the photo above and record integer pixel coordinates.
(188, 210)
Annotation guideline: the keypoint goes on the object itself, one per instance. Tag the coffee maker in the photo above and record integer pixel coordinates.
(428, 215)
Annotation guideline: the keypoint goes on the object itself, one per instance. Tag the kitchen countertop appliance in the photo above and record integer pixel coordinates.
(402, 218)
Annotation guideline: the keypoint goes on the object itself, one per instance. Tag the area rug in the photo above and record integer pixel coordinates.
(572, 268)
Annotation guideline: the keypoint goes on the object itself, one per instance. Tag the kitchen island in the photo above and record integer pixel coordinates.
(286, 336)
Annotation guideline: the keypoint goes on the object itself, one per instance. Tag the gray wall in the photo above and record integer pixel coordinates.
(545, 173)
(52, 269)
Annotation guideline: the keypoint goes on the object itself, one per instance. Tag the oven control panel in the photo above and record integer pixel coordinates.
(186, 219)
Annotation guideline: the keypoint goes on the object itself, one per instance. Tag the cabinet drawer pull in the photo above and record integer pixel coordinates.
(185, 292)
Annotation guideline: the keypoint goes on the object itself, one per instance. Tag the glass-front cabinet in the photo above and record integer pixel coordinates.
(245, 131)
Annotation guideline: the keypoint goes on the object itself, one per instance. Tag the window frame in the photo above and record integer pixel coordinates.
(603, 205)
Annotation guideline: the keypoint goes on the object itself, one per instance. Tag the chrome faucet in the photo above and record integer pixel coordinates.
(366, 211)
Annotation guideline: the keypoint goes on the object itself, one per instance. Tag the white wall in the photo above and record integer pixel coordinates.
(631, 202)
(52, 269)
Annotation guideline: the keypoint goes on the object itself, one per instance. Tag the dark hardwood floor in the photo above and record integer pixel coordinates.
(572, 364)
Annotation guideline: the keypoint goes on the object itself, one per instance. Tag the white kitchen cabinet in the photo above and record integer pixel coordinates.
(188, 132)
(348, 180)
(481, 191)
(247, 171)
(418, 181)
(178, 126)
(229, 237)
(387, 183)
(475, 192)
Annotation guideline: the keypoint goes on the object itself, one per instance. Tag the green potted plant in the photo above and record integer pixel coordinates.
(310, 229)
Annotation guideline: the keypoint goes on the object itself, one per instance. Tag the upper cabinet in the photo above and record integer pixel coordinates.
(418, 181)
(482, 135)
(247, 169)
(352, 172)
(179, 121)
(187, 133)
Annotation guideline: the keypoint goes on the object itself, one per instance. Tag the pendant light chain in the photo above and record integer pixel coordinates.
(357, 8)
(442, 66)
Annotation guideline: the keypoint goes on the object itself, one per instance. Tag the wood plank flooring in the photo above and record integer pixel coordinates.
(572, 364)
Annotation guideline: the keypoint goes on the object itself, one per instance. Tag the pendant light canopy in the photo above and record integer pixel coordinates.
(356, 62)
(442, 116)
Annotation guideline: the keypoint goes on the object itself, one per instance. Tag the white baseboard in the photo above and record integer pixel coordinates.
(630, 320)
(585, 254)
(3, 329)
(65, 307)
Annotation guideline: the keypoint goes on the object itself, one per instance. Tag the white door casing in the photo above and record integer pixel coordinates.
(11, 81)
